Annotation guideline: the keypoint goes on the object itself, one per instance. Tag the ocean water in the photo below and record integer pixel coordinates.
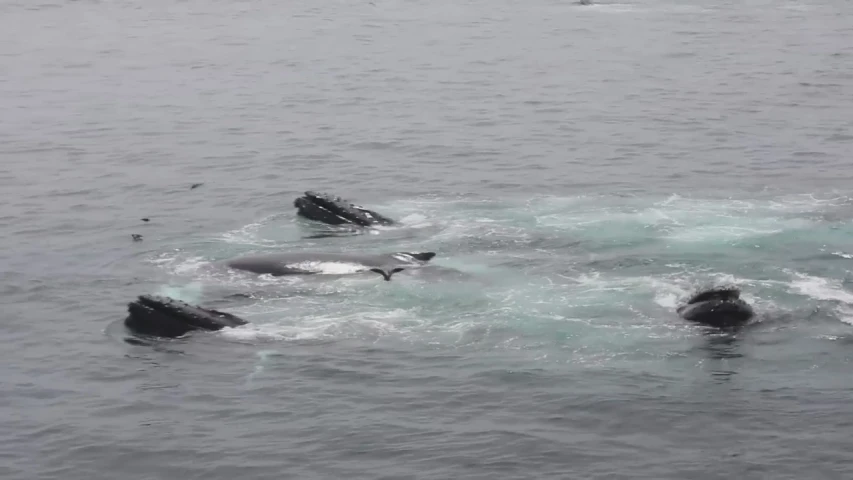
(579, 170)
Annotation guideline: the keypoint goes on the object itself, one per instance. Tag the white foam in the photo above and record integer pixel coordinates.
(720, 233)
(254, 332)
(179, 265)
(190, 293)
(263, 356)
(798, 7)
(326, 326)
(404, 257)
(329, 268)
(190, 265)
(821, 288)
(826, 290)
(416, 220)
(248, 234)
(845, 314)
(806, 203)
(610, 7)
(424, 311)
(667, 295)
(591, 289)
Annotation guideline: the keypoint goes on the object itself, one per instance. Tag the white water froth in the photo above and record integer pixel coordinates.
(821, 288)
(329, 268)
(609, 7)
(394, 321)
(183, 266)
(720, 233)
(825, 289)
(585, 301)
(249, 234)
(190, 293)
(671, 219)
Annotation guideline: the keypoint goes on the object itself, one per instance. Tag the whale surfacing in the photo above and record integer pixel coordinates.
(166, 317)
(299, 263)
(717, 307)
(333, 210)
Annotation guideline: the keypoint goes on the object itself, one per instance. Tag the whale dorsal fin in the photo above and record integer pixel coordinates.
(719, 293)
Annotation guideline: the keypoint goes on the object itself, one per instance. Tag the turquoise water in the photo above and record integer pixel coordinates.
(585, 280)
(578, 170)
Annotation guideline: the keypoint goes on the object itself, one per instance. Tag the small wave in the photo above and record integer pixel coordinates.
(413, 220)
(799, 7)
(179, 265)
(806, 203)
(609, 7)
(821, 288)
(720, 233)
(845, 314)
(668, 294)
(543, 291)
(336, 326)
(248, 234)
(190, 293)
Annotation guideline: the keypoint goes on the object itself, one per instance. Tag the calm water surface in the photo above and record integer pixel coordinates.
(579, 170)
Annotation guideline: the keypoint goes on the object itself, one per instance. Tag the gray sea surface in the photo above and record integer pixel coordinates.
(579, 170)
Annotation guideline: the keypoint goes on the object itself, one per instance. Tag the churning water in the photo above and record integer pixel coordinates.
(578, 169)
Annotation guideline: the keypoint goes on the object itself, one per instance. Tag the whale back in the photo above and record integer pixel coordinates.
(718, 313)
(290, 263)
(420, 256)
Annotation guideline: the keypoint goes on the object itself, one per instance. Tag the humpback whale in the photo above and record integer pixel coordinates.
(166, 317)
(332, 210)
(717, 307)
(305, 263)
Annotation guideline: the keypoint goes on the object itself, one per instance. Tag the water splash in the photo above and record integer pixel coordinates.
(599, 276)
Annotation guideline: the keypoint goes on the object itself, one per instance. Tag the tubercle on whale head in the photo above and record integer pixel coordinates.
(324, 199)
(719, 307)
(337, 210)
(715, 293)
(167, 317)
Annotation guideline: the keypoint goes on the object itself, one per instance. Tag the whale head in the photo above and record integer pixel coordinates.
(719, 307)
(167, 317)
(334, 210)
(418, 256)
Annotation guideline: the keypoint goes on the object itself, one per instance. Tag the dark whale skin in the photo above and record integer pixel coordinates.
(166, 317)
(720, 307)
(325, 208)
